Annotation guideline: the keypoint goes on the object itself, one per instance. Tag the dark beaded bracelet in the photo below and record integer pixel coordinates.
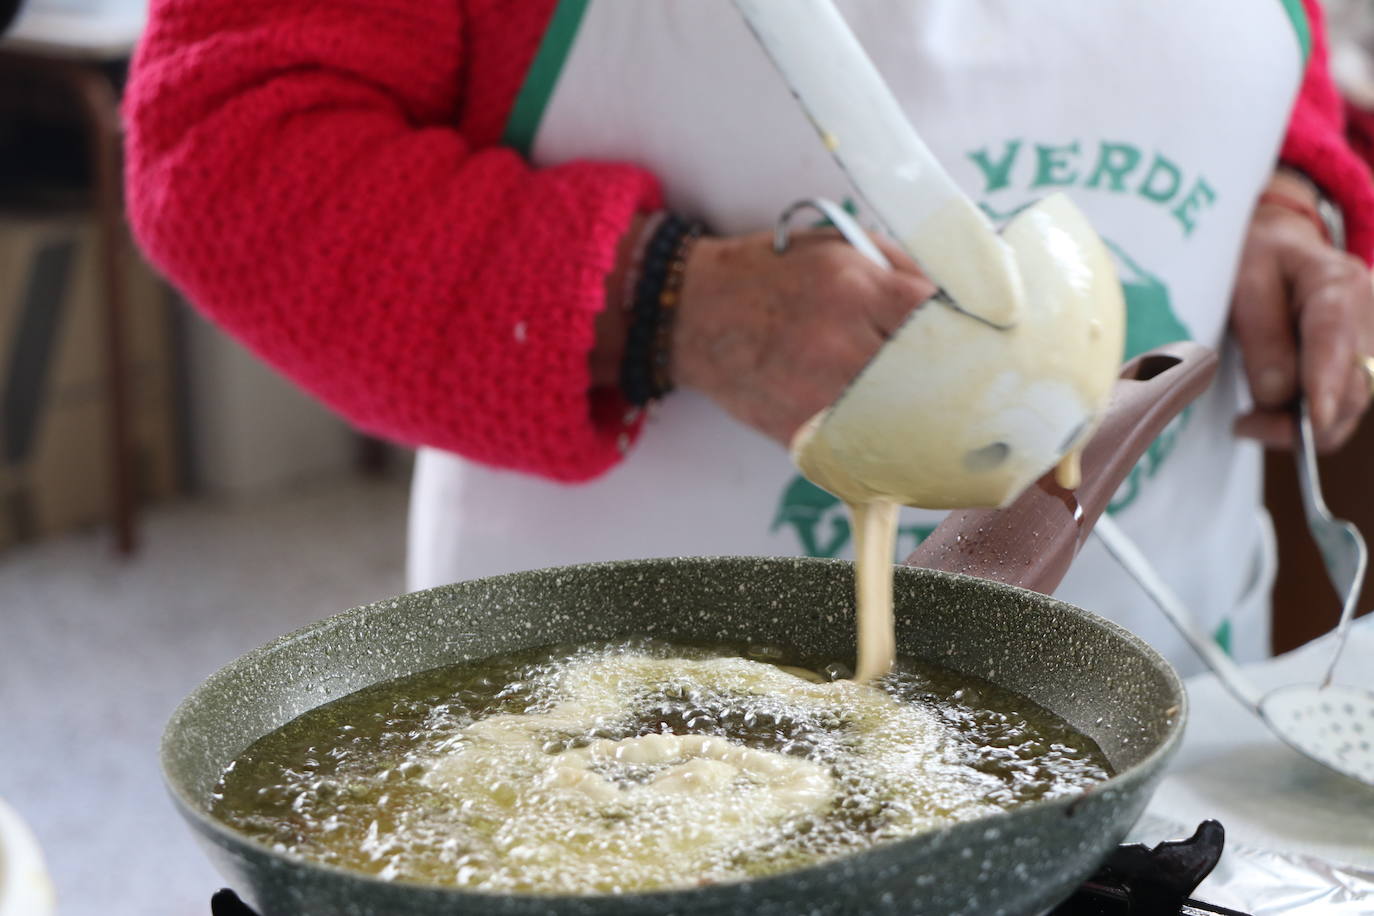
(645, 370)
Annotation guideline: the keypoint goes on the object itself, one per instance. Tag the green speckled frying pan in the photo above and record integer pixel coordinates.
(1100, 678)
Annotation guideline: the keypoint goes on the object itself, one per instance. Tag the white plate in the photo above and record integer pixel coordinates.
(24, 886)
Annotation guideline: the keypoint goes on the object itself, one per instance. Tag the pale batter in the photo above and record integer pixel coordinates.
(609, 813)
(955, 413)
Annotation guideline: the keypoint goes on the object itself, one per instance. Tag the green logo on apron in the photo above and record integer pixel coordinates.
(822, 526)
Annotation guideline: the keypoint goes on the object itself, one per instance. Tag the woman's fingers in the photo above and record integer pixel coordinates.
(1339, 434)
(1270, 428)
(901, 261)
(1303, 313)
(774, 339)
(904, 293)
(1277, 428)
(1354, 402)
(1262, 321)
(1334, 300)
(907, 289)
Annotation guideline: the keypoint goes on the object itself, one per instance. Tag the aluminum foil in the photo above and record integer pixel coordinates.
(1264, 882)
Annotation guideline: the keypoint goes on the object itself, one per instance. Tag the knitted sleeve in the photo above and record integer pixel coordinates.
(1316, 144)
(295, 168)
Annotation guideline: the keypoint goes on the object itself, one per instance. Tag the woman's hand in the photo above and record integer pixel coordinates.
(775, 338)
(1303, 313)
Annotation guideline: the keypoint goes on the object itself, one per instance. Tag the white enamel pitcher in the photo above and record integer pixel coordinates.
(999, 378)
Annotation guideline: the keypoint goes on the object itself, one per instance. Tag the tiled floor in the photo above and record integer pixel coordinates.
(95, 653)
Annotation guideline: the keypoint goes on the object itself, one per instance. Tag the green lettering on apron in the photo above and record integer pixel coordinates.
(997, 173)
(1115, 161)
(1053, 165)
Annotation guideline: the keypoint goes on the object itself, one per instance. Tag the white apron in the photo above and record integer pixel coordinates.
(1160, 118)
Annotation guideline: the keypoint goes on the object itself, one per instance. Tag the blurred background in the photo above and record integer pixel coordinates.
(167, 503)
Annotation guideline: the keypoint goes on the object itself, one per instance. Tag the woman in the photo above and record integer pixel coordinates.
(434, 216)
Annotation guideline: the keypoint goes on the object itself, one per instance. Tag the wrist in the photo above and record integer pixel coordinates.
(1292, 183)
(1293, 190)
(646, 368)
(692, 331)
(613, 322)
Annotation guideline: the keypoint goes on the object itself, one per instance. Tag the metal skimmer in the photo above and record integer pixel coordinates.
(1331, 725)
(1342, 548)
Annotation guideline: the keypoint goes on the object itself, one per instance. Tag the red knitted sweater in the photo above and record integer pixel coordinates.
(324, 180)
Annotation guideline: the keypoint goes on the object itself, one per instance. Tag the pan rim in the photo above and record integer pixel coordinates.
(227, 837)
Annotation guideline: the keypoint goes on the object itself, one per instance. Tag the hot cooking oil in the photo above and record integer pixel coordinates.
(640, 766)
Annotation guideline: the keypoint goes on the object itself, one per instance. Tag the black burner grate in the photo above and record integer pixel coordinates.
(1134, 881)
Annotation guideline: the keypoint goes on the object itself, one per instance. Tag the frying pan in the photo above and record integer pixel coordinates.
(1100, 678)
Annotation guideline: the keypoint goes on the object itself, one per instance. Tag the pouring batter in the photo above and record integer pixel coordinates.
(405, 214)
(922, 427)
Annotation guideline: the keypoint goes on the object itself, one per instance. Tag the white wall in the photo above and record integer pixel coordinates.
(82, 28)
(250, 429)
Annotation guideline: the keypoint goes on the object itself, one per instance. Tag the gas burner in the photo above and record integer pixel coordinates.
(1134, 881)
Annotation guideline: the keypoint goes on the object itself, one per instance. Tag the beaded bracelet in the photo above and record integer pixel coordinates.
(645, 370)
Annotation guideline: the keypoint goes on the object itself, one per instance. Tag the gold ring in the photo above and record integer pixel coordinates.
(1367, 364)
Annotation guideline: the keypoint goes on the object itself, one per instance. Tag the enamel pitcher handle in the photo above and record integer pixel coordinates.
(837, 216)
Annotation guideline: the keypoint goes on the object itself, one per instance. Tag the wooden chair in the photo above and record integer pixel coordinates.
(48, 54)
